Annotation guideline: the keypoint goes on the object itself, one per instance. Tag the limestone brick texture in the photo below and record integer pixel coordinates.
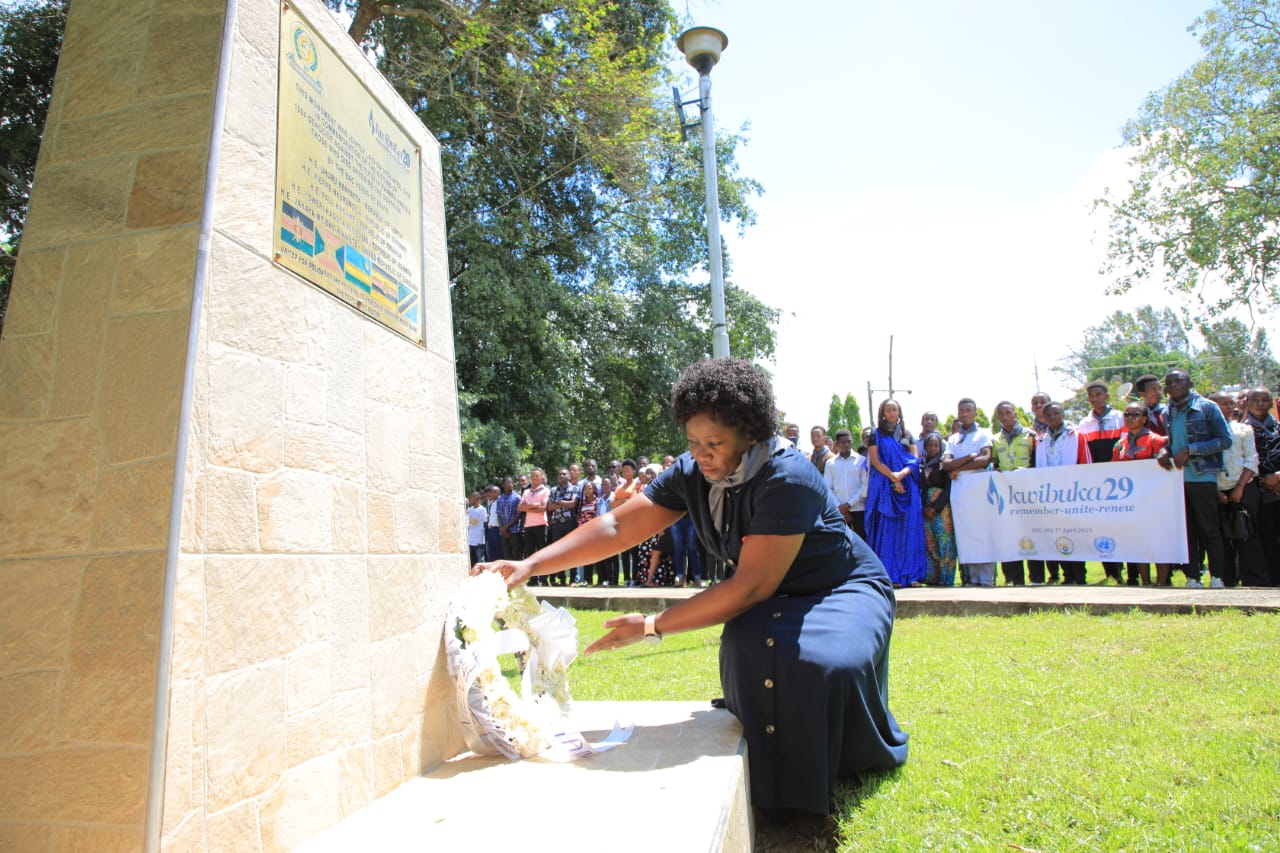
(91, 381)
(153, 360)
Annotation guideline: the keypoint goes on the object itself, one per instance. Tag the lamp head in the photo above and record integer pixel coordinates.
(701, 46)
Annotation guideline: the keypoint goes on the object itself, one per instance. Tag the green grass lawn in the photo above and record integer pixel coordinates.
(1047, 732)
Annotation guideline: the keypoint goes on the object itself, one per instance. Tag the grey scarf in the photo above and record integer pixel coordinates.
(752, 461)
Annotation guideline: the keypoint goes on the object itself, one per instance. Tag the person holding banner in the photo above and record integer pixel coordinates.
(1140, 442)
(1198, 434)
(1102, 427)
(1061, 445)
(969, 449)
(1015, 447)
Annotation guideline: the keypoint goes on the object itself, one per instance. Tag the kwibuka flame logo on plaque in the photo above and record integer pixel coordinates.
(348, 186)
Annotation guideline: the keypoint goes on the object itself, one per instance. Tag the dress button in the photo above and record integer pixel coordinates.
(769, 729)
(769, 642)
(768, 682)
(777, 614)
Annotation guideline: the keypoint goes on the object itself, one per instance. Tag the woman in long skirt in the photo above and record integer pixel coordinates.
(806, 606)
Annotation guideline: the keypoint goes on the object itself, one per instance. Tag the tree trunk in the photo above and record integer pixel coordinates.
(367, 12)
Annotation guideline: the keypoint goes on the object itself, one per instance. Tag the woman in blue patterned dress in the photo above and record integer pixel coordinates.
(935, 499)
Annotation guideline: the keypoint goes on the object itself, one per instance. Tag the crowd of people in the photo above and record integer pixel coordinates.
(892, 487)
(522, 515)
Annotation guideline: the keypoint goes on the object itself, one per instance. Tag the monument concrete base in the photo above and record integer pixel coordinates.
(679, 783)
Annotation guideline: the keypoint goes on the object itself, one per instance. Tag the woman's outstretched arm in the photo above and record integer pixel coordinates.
(764, 563)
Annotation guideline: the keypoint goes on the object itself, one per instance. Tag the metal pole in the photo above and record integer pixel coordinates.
(719, 330)
(891, 367)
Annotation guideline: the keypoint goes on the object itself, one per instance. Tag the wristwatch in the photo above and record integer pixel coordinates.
(651, 634)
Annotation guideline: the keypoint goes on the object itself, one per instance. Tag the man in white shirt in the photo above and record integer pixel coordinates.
(476, 516)
(846, 476)
(493, 526)
(968, 450)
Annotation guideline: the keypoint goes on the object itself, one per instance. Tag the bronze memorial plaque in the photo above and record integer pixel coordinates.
(348, 185)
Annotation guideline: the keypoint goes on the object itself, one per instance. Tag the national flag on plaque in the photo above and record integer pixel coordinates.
(297, 229)
(325, 256)
(385, 289)
(356, 268)
(408, 304)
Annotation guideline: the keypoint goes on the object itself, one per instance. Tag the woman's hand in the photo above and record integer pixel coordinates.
(515, 571)
(627, 629)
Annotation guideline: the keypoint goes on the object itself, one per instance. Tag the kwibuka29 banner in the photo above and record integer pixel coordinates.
(1121, 511)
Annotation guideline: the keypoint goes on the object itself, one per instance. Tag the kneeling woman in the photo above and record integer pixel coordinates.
(807, 607)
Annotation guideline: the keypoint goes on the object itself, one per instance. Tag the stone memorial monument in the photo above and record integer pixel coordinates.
(230, 476)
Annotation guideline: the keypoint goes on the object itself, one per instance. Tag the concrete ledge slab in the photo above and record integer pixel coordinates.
(969, 601)
(680, 783)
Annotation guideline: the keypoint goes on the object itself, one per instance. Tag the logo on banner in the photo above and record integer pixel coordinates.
(1105, 545)
(1026, 545)
(1064, 545)
(993, 495)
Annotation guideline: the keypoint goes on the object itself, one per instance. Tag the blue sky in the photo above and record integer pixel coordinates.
(929, 170)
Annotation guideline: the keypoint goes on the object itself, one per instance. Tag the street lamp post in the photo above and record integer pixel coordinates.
(701, 46)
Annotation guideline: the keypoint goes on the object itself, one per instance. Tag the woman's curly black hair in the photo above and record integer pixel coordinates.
(733, 392)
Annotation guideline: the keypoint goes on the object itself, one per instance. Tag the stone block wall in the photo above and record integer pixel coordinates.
(319, 532)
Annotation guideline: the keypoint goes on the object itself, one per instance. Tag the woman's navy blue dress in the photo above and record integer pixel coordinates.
(806, 672)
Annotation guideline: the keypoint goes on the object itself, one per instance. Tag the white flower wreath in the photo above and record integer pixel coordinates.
(484, 621)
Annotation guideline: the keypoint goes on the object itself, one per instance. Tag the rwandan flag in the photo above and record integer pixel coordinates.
(385, 289)
(356, 268)
(297, 229)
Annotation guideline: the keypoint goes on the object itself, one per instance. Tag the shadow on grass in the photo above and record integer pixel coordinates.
(785, 831)
(852, 791)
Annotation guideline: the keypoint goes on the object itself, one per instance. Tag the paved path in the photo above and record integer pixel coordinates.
(968, 601)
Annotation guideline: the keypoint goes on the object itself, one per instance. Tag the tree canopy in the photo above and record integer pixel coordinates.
(574, 210)
(575, 216)
(1153, 340)
(1126, 345)
(844, 414)
(1202, 211)
(30, 38)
